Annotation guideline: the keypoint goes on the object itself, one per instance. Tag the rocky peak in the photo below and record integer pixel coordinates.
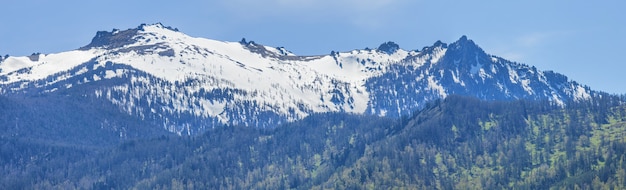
(388, 47)
(465, 45)
(34, 57)
(157, 25)
(119, 38)
(465, 51)
(436, 45)
(113, 39)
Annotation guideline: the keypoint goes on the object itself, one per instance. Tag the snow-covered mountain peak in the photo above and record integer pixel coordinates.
(157, 72)
(158, 32)
(437, 46)
(157, 25)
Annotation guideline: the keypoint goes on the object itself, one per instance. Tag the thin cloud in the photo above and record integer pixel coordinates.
(535, 39)
(347, 5)
(525, 47)
(360, 13)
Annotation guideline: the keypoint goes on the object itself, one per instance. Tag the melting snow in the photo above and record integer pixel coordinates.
(435, 86)
(526, 86)
(456, 79)
(476, 67)
(581, 94)
(294, 85)
(439, 52)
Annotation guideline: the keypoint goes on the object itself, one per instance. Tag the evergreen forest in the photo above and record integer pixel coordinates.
(454, 143)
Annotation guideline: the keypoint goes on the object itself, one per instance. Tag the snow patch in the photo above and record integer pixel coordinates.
(456, 79)
(513, 76)
(526, 85)
(580, 93)
(439, 52)
(435, 86)
(476, 67)
(109, 74)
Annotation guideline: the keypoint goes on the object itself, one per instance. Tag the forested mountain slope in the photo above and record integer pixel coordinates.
(454, 143)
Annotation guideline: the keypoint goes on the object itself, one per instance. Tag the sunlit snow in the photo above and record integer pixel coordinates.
(276, 80)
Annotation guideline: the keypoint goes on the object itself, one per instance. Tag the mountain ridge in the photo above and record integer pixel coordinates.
(188, 84)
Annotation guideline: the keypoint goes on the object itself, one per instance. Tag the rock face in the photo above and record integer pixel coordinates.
(188, 84)
(389, 47)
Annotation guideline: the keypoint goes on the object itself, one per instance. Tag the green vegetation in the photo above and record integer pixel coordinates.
(455, 143)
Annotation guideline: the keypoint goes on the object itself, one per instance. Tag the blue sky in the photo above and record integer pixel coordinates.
(584, 40)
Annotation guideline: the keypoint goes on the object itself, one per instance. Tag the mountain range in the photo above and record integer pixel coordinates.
(186, 85)
(153, 108)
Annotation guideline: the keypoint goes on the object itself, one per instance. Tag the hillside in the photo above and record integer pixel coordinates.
(154, 108)
(455, 143)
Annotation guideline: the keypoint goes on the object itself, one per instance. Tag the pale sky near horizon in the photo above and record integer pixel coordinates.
(581, 39)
